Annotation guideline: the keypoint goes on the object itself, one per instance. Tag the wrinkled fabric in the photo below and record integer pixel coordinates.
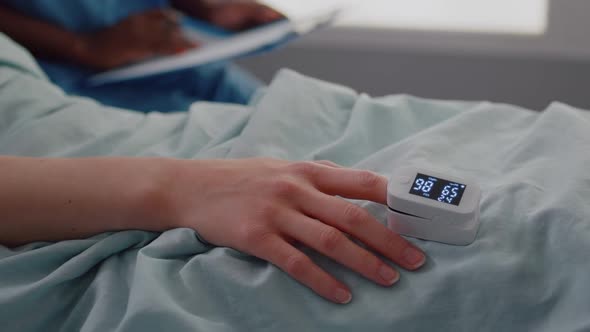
(526, 271)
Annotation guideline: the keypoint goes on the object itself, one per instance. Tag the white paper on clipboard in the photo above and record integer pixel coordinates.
(216, 49)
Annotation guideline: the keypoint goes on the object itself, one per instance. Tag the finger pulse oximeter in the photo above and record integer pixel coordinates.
(433, 206)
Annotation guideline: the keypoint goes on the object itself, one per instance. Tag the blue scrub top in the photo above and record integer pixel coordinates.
(166, 92)
(83, 15)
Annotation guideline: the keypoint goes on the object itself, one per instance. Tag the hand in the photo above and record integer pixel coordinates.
(264, 206)
(240, 15)
(136, 38)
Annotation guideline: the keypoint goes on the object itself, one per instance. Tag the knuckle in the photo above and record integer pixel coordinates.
(285, 187)
(368, 179)
(297, 265)
(353, 213)
(354, 220)
(254, 236)
(305, 169)
(331, 239)
(268, 210)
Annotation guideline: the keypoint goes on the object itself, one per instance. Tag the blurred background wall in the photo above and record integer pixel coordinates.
(550, 61)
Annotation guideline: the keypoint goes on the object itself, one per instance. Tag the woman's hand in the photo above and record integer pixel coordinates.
(144, 35)
(264, 206)
(259, 206)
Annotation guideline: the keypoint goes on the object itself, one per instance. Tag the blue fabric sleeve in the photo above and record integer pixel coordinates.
(83, 15)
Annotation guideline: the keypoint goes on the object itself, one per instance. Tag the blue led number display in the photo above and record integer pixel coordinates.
(441, 190)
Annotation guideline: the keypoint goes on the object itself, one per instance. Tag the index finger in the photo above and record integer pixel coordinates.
(345, 182)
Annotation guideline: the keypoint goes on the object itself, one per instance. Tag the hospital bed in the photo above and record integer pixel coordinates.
(527, 270)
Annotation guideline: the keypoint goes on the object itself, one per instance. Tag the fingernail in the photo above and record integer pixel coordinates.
(342, 296)
(414, 257)
(388, 274)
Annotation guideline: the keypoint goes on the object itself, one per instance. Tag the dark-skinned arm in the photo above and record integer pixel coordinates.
(41, 38)
(137, 37)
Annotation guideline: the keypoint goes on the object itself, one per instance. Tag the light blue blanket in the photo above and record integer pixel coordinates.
(528, 269)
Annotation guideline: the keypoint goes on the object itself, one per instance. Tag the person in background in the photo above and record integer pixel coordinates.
(73, 39)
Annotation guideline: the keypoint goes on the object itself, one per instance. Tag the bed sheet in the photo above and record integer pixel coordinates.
(527, 270)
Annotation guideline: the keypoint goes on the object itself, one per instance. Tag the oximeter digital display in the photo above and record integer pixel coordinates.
(433, 206)
(438, 189)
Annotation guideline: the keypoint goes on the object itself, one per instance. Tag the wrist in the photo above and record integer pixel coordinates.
(153, 196)
(176, 190)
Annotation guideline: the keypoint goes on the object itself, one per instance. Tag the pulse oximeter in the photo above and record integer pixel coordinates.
(433, 206)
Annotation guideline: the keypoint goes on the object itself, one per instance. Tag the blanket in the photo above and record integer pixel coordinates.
(526, 271)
